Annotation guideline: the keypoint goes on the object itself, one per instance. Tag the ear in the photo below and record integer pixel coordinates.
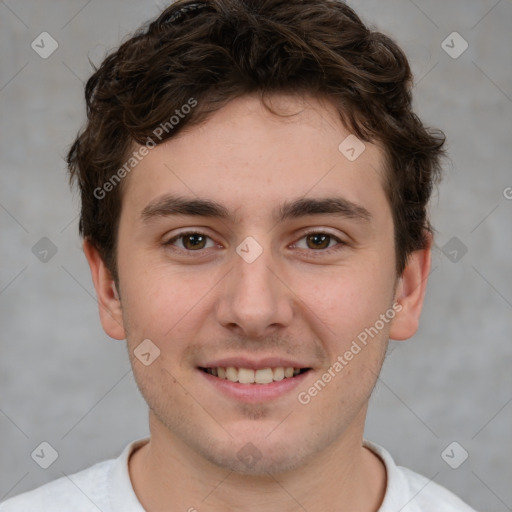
(410, 293)
(111, 314)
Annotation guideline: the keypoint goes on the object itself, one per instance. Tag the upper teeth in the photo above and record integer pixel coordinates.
(248, 376)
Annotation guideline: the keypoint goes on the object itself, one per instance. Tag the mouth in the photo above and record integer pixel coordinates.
(260, 376)
(267, 379)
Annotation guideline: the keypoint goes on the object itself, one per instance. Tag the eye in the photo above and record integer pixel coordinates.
(195, 241)
(320, 241)
(191, 241)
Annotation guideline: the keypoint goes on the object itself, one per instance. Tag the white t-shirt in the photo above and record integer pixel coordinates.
(106, 486)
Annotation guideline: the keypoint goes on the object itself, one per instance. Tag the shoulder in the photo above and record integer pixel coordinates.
(84, 491)
(106, 486)
(409, 491)
(430, 496)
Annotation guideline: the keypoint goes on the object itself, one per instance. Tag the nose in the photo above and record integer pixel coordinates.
(254, 298)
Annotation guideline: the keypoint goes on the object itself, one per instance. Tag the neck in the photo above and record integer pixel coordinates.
(167, 475)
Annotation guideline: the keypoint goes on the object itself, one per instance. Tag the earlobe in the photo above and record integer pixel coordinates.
(109, 304)
(410, 293)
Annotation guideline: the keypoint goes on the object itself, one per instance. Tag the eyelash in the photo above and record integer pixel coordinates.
(337, 247)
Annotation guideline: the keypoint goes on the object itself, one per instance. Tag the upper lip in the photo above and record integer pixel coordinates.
(254, 364)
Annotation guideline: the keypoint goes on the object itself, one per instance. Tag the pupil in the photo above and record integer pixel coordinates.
(322, 239)
(196, 240)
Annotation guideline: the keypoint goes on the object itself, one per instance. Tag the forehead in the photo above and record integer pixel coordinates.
(247, 157)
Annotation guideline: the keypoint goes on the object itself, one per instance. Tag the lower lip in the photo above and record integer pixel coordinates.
(253, 393)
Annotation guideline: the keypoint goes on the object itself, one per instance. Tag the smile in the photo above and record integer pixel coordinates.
(251, 376)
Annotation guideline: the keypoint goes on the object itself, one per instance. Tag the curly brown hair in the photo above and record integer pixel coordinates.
(206, 53)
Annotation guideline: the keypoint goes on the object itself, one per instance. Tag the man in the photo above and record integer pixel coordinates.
(254, 188)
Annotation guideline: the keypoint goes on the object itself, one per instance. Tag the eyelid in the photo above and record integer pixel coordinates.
(185, 233)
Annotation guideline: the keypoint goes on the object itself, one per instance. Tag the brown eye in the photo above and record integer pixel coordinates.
(194, 241)
(318, 240)
(191, 241)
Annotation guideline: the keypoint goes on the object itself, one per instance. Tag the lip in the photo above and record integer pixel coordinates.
(253, 364)
(254, 393)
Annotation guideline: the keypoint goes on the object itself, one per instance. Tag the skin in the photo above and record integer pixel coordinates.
(295, 300)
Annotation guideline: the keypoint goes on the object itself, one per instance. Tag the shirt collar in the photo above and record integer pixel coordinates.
(121, 493)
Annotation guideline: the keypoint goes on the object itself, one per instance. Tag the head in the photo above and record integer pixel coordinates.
(225, 119)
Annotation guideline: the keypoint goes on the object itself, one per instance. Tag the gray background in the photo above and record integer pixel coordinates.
(62, 380)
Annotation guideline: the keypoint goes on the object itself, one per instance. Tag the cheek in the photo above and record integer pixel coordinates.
(165, 305)
(346, 300)
(151, 301)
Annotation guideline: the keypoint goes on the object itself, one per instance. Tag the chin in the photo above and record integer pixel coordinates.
(249, 455)
(251, 461)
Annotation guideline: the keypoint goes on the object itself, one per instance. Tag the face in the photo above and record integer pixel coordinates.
(286, 267)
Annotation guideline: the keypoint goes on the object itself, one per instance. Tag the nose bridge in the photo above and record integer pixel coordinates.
(256, 278)
(253, 297)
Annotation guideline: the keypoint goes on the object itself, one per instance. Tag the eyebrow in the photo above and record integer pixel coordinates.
(170, 205)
